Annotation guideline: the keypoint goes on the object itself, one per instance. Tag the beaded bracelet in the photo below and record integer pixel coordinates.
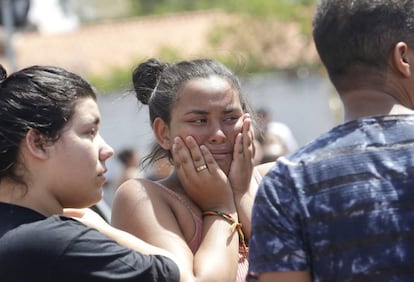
(234, 226)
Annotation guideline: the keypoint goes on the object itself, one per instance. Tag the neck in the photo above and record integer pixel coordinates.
(27, 196)
(173, 183)
(364, 103)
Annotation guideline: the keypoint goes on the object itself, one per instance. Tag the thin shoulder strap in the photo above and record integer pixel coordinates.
(198, 222)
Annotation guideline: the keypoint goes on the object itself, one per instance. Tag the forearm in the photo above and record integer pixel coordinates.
(217, 256)
(244, 204)
(93, 220)
(130, 241)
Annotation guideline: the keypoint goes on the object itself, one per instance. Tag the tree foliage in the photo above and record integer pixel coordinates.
(282, 8)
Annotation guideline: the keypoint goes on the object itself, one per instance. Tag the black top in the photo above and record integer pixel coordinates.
(58, 248)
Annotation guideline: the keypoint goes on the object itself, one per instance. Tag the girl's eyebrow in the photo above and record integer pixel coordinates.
(196, 111)
(229, 110)
(204, 112)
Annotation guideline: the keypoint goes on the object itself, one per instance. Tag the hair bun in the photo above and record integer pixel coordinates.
(145, 78)
(3, 73)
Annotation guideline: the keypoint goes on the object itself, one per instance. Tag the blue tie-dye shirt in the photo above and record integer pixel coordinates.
(341, 207)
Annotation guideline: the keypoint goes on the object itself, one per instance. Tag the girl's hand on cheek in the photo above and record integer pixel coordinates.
(201, 177)
(241, 169)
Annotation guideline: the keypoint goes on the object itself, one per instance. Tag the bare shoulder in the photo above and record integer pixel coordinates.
(137, 190)
(142, 208)
(135, 196)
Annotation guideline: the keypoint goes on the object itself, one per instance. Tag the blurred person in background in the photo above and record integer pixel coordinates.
(130, 160)
(275, 139)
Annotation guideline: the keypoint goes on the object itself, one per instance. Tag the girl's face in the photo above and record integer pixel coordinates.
(209, 110)
(77, 163)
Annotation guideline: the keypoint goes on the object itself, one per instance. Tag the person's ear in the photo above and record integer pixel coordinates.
(162, 133)
(401, 58)
(36, 143)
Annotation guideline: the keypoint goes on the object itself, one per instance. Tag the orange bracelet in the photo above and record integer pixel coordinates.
(234, 226)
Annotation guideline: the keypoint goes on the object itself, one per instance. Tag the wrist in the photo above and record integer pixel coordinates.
(235, 226)
(229, 208)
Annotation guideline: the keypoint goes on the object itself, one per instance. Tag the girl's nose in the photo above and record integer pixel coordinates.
(217, 134)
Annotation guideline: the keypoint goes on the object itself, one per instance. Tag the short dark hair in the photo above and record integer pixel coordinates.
(349, 34)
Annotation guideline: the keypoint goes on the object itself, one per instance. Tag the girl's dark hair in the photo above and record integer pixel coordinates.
(37, 97)
(157, 85)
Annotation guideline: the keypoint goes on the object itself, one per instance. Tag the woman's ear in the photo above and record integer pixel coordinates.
(401, 58)
(162, 133)
(35, 143)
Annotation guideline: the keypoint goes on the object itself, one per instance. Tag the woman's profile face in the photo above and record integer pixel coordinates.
(209, 109)
(77, 161)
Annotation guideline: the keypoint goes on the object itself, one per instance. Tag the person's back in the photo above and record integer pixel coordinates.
(352, 200)
(340, 208)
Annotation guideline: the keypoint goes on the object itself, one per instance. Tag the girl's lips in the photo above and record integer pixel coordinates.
(101, 176)
(221, 156)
